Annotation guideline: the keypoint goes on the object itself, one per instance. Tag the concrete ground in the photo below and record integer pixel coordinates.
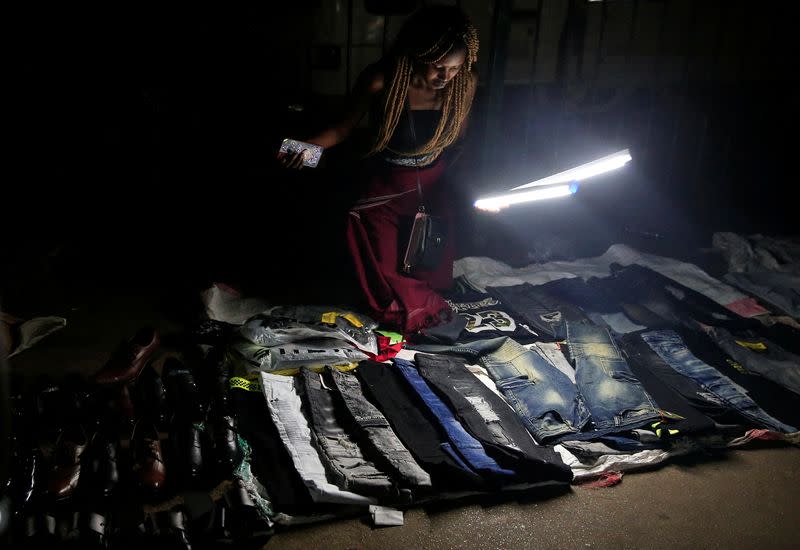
(749, 498)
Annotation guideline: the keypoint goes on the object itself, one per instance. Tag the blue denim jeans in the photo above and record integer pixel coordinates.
(615, 397)
(671, 348)
(606, 397)
(546, 400)
(468, 447)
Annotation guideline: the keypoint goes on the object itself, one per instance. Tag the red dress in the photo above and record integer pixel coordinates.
(398, 300)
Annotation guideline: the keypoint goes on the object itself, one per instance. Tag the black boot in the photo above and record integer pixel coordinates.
(150, 397)
(186, 458)
(183, 392)
(224, 434)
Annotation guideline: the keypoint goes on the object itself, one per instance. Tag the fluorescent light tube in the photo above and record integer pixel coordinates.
(580, 173)
(494, 204)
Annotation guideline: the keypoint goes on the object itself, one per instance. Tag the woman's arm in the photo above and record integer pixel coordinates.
(368, 85)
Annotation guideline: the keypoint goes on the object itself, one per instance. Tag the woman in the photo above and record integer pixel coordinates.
(428, 75)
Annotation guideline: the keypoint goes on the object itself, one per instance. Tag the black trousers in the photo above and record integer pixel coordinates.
(404, 410)
(648, 361)
(270, 462)
(641, 358)
(339, 449)
(542, 310)
(776, 400)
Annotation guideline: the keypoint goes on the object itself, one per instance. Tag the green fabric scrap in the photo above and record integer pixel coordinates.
(256, 491)
(394, 337)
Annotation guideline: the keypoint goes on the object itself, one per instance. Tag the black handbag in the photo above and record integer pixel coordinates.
(425, 240)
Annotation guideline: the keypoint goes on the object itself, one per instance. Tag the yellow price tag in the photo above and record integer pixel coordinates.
(353, 320)
(330, 318)
(760, 346)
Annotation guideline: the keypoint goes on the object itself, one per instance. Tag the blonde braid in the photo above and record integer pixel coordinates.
(395, 100)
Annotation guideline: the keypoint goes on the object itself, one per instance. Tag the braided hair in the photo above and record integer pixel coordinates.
(429, 35)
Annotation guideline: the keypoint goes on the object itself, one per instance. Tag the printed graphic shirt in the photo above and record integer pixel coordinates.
(486, 317)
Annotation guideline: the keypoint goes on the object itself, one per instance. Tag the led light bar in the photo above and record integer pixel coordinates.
(580, 173)
(494, 204)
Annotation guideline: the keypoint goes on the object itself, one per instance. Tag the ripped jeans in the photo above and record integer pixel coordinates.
(339, 452)
(672, 349)
(605, 398)
(615, 397)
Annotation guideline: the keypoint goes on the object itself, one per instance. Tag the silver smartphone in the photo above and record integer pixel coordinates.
(311, 152)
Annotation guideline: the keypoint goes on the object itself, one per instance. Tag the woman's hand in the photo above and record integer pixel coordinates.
(292, 161)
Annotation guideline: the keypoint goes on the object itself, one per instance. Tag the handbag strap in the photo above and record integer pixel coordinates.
(414, 138)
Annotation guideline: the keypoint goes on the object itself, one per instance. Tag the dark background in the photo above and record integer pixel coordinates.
(142, 144)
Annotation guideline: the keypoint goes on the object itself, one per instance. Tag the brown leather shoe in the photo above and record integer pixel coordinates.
(64, 476)
(148, 461)
(129, 358)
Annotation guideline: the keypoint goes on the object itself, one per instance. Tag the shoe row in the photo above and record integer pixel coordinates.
(77, 463)
(158, 399)
(127, 386)
(129, 434)
(92, 465)
(231, 519)
(47, 406)
(192, 455)
(132, 387)
(72, 431)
